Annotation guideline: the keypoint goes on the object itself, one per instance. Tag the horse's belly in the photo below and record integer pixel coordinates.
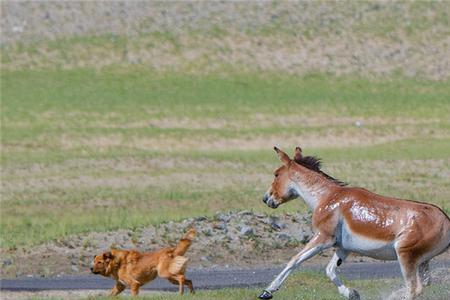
(362, 245)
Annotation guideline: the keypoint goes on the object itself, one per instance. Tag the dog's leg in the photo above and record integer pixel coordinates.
(190, 285)
(117, 289)
(134, 289)
(181, 281)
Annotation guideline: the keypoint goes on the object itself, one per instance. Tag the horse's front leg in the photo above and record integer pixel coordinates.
(318, 243)
(338, 258)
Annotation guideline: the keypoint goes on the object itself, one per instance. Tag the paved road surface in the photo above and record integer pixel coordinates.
(205, 279)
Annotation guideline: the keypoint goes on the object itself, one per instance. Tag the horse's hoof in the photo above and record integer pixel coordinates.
(265, 295)
(354, 295)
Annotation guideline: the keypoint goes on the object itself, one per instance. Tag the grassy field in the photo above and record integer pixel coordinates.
(114, 119)
(86, 150)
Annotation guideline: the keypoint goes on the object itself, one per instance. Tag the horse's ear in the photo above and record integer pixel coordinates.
(283, 156)
(298, 154)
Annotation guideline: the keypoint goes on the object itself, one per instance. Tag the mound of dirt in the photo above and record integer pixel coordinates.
(232, 239)
(235, 239)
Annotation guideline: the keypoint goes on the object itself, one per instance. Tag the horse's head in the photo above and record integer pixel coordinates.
(282, 188)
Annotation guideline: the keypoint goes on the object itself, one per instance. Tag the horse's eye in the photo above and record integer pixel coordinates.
(276, 175)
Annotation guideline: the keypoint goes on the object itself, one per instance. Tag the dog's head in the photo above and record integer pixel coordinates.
(102, 264)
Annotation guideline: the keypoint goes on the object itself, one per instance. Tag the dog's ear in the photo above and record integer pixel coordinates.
(110, 263)
(107, 255)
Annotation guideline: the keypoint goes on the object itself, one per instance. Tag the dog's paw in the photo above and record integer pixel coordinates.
(265, 295)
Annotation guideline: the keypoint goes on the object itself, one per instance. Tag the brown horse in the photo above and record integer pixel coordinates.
(352, 219)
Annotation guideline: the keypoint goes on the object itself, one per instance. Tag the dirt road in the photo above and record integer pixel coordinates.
(207, 278)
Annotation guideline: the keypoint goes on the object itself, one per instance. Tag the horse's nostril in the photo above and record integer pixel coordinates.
(272, 204)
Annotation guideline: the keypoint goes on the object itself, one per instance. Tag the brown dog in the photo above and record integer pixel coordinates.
(134, 269)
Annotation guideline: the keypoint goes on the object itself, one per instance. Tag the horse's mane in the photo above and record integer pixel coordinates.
(314, 163)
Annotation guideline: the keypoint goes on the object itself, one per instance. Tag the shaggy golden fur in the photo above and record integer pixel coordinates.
(133, 269)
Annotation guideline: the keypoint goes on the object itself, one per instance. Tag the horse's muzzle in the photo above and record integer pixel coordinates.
(269, 201)
(265, 198)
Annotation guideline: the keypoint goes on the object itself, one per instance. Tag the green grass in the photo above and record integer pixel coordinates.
(39, 108)
(135, 92)
(92, 151)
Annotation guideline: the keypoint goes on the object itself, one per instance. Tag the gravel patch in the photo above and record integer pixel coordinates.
(236, 238)
(239, 239)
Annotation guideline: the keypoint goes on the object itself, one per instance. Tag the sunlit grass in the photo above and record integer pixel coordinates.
(93, 151)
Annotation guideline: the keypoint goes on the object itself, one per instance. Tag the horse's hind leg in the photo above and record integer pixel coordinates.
(424, 273)
(410, 271)
(338, 258)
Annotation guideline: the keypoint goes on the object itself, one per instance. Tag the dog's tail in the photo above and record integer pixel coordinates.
(184, 243)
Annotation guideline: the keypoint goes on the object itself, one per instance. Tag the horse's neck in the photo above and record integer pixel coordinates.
(311, 186)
